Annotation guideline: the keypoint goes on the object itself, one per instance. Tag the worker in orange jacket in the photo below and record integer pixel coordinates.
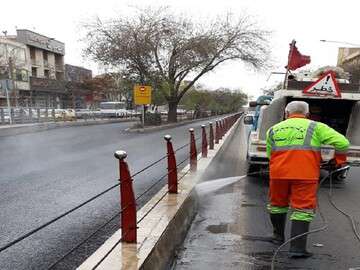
(293, 147)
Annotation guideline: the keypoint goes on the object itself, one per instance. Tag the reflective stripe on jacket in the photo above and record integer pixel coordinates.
(293, 147)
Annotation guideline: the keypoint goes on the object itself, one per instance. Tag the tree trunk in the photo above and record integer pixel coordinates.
(172, 113)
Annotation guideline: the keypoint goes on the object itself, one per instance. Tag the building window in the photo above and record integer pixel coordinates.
(33, 56)
(32, 53)
(46, 73)
(45, 56)
(34, 71)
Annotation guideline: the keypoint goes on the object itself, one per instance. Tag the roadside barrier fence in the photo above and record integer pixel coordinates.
(128, 201)
(128, 218)
(24, 115)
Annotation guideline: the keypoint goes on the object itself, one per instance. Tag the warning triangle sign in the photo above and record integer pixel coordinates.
(326, 85)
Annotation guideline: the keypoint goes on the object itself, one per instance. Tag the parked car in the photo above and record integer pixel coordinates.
(65, 114)
(70, 114)
(113, 109)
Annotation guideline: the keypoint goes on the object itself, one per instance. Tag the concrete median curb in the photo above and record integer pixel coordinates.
(166, 126)
(36, 127)
(165, 220)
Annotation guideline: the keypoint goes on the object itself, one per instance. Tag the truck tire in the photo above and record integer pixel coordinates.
(339, 177)
(252, 169)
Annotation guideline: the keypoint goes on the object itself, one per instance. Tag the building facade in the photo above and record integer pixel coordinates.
(347, 55)
(349, 60)
(15, 66)
(47, 86)
(39, 76)
(77, 79)
(44, 71)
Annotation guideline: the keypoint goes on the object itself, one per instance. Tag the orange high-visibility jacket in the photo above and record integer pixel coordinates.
(293, 147)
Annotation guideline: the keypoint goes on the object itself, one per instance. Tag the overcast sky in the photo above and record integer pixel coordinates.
(305, 21)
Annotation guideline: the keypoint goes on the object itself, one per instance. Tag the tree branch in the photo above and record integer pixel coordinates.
(158, 62)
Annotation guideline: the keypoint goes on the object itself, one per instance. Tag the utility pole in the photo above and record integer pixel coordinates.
(6, 84)
(8, 100)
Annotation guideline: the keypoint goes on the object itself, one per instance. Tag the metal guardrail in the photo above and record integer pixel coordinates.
(24, 115)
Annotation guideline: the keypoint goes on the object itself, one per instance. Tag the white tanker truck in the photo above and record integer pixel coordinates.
(332, 101)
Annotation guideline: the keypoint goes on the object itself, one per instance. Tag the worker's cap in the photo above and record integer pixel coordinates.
(300, 107)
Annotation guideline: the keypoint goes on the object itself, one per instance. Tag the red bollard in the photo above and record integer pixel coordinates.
(172, 169)
(128, 204)
(193, 152)
(217, 135)
(204, 143)
(211, 136)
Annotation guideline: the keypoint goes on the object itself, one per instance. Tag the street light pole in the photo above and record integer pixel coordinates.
(340, 42)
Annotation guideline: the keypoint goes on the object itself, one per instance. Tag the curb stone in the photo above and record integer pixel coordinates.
(166, 126)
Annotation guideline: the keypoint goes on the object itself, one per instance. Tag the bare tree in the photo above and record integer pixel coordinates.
(173, 52)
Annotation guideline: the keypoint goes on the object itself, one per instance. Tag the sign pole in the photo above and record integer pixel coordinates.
(143, 117)
(8, 100)
(293, 42)
(142, 96)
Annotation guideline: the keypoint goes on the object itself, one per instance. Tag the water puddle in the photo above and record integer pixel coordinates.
(234, 229)
(221, 228)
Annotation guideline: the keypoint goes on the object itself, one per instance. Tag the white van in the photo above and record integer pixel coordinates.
(113, 109)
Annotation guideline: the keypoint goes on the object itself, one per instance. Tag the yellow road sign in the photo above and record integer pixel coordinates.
(142, 94)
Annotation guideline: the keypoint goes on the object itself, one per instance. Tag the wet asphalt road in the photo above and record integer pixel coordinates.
(232, 224)
(47, 173)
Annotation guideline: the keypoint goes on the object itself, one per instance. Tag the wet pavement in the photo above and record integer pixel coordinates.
(232, 228)
(44, 174)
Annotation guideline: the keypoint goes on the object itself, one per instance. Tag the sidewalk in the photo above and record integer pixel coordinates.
(8, 130)
(232, 222)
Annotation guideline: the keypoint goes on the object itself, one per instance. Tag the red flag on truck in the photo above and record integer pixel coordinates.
(296, 59)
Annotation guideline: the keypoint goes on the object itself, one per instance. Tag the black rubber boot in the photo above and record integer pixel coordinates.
(298, 246)
(278, 221)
